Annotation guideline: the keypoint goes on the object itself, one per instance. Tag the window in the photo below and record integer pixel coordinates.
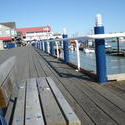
(7, 32)
(0, 33)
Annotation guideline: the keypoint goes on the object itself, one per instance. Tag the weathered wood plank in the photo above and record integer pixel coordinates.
(18, 118)
(33, 110)
(110, 96)
(52, 113)
(6, 79)
(69, 113)
(5, 68)
(9, 110)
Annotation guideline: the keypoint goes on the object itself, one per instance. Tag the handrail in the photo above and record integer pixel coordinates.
(87, 37)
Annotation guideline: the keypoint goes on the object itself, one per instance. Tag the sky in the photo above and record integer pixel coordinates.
(77, 16)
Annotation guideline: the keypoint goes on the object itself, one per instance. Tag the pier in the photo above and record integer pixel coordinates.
(92, 103)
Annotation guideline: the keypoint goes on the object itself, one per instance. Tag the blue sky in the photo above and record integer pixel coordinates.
(78, 16)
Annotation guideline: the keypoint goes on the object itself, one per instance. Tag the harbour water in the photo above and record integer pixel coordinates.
(114, 64)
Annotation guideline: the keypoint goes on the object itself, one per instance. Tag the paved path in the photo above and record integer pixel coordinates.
(94, 104)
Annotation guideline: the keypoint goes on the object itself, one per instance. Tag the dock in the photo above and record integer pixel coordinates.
(94, 104)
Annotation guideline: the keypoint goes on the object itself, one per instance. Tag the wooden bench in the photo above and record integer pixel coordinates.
(40, 102)
(7, 80)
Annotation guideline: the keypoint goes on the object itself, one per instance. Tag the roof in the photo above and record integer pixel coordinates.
(5, 38)
(33, 29)
(9, 24)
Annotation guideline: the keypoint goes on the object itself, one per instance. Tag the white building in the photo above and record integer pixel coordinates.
(37, 33)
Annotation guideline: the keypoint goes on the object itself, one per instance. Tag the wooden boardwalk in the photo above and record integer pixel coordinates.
(94, 104)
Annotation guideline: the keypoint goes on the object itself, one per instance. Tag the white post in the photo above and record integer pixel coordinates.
(78, 55)
(57, 49)
(43, 46)
(40, 45)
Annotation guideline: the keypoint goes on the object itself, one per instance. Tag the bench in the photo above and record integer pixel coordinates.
(7, 80)
(40, 102)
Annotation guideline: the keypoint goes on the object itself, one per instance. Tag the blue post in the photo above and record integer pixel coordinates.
(41, 45)
(45, 43)
(66, 49)
(52, 51)
(100, 52)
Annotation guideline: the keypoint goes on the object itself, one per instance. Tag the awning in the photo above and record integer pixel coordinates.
(5, 38)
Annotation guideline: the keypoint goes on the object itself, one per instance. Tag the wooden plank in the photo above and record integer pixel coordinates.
(69, 113)
(5, 93)
(6, 79)
(5, 68)
(52, 113)
(110, 96)
(33, 110)
(18, 118)
(9, 110)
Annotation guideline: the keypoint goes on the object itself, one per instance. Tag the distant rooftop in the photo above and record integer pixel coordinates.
(34, 29)
(9, 24)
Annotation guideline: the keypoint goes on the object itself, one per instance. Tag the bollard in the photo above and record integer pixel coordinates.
(52, 51)
(100, 52)
(66, 49)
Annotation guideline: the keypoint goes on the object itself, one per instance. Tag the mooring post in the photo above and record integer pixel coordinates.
(52, 47)
(66, 49)
(100, 52)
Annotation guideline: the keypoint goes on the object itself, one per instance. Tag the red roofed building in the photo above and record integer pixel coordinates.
(32, 33)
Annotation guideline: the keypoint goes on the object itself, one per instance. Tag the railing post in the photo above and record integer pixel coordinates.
(35, 44)
(57, 49)
(78, 56)
(52, 47)
(118, 45)
(41, 47)
(48, 47)
(45, 43)
(100, 52)
(38, 44)
(66, 49)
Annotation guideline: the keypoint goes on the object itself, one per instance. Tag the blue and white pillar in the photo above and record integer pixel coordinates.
(100, 52)
(66, 48)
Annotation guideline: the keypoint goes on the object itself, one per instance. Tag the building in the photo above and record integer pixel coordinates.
(7, 33)
(36, 33)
